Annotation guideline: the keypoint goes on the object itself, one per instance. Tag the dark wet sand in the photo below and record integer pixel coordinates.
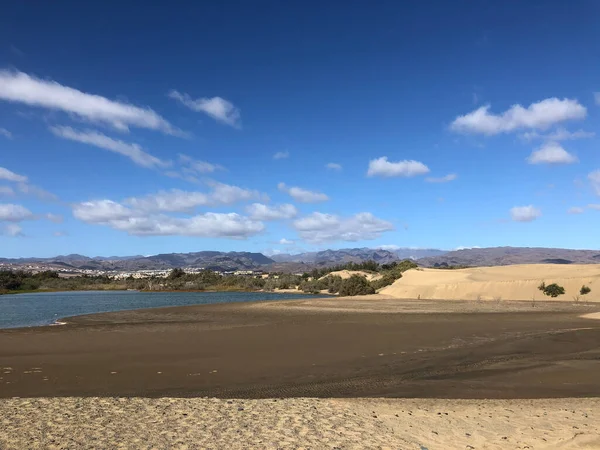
(312, 348)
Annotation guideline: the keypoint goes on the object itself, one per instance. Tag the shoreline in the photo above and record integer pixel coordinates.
(328, 347)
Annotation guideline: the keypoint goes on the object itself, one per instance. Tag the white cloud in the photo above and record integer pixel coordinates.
(281, 155)
(407, 168)
(560, 134)
(18, 87)
(4, 132)
(216, 107)
(6, 191)
(131, 151)
(389, 247)
(138, 223)
(260, 211)
(594, 206)
(303, 195)
(594, 178)
(13, 230)
(101, 211)
(7, 175)
(575, 210)
(227, 194)
(284, 241)
(14, 213)
(38, 192)
(541, 115)
(551, 153)
(334, 166)
(444, 179)
(525, 213)
(319, 227)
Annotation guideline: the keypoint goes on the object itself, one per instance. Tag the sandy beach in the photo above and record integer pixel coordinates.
(176, 423)
(366, 372)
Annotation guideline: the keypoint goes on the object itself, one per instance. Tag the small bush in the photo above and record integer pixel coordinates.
(554, 290)
(584, 290)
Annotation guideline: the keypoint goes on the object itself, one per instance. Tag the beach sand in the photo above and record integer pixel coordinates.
(176, 423)
(516, 282)
(295, 374)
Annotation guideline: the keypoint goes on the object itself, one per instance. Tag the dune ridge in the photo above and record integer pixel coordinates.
(518, 282)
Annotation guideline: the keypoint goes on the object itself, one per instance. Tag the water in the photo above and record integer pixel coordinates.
(30, 310)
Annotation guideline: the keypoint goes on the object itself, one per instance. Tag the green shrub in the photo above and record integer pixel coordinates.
(584, 290)
(554, 290)
(356, 285)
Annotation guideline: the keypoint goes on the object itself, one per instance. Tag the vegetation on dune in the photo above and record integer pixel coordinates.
(178, 280)
(552, 290)
(584, 290)
(334, 284)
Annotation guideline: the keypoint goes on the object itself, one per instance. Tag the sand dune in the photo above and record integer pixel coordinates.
(108, 423)
(518, 282)
(344, 274)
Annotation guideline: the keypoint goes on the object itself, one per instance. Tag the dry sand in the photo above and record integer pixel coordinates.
(518, 282)
(176, 423)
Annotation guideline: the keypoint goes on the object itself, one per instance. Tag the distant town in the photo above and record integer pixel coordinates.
(34, 268)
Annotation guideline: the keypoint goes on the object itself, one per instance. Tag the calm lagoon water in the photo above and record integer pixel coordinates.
(29, 310)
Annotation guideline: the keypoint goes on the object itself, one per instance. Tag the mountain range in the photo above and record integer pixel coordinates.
(301, 262)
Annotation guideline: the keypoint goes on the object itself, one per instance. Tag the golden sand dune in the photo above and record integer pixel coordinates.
(107, 423)
(344, 274)
(517, 282)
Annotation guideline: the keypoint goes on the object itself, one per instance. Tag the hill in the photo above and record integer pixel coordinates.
(517, 282)
(502, 256)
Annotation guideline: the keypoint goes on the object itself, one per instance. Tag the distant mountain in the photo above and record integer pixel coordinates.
(417, 253)
(207, 259)
(502, 256)
(334, 257)
(304, 262)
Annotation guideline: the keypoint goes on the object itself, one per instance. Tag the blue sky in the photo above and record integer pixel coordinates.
(287, 126)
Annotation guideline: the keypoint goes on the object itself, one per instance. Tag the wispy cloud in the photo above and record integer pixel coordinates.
(281, 155)
(334, 166)
(19, 87)
(444, 179)
(4, 132)
(319, 227)
(594, 206)
(216, 107)
(597, 97)
(29, 189)
(541, 115)
(302, 195)
(575, 210)
(197, 167)
(13, 230)
(560, 134)
(7, 175)
(381, 167)
(284, 241)
(260, 211)
(176, 200)
(525, 213)
(130, 150)
(10, 212)
(594, 178)
(551, 153)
